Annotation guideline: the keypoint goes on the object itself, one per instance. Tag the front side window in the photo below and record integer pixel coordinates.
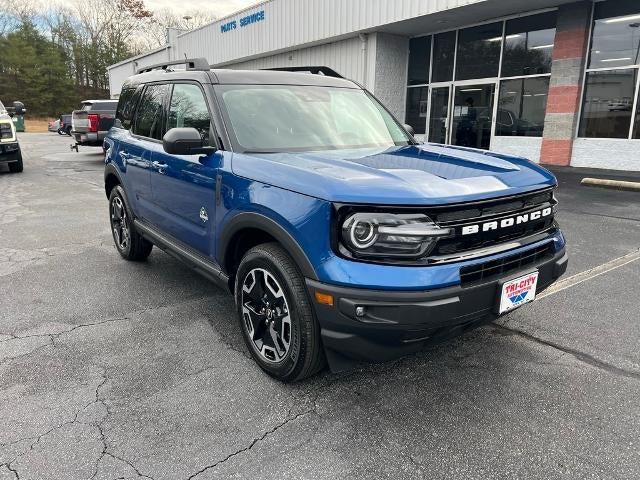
(522, 106)
(608, 103)
(479, 51)
(188, 108)
(528, 45)
(284, 118)
(149, 114)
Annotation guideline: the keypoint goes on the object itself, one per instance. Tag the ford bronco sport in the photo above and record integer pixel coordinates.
(342, 238)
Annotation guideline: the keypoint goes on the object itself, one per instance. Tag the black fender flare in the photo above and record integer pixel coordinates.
(110, 169)
(262, 222)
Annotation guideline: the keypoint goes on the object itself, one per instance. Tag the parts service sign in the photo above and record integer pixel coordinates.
(243, 21)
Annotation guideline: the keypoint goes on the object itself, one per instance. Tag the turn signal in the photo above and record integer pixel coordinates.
(324, 299)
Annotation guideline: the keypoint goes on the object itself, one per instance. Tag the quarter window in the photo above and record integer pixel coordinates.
(150, 115)
(126, 107)
(189, 109)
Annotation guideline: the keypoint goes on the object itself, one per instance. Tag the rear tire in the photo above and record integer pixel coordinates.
(275, 315)
(129, 243)
(17, 167)
(68, 131)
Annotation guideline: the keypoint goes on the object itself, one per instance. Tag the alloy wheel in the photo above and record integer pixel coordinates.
(120, 223)
(266, 315)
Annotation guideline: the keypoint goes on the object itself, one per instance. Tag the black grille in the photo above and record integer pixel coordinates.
(512, 263)
(488, 211)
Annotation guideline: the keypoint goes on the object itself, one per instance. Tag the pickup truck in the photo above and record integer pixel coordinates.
(90, 124)
(10, 153)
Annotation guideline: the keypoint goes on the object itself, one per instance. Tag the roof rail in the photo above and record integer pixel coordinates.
(197, 64)
(326, 71)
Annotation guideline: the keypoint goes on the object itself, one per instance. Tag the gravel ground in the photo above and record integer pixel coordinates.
(111, 370)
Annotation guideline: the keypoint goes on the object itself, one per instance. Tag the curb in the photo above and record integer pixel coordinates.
(615, 184)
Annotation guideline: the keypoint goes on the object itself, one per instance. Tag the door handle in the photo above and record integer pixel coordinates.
(125, 155)
(160, 166)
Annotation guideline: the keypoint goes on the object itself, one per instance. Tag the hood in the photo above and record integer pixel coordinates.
(413, 175)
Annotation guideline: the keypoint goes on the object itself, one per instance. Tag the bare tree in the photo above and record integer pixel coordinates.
(155, 34)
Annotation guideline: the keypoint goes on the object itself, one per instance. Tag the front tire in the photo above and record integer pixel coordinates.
(129, 243)
(17, 167)
(275, 315)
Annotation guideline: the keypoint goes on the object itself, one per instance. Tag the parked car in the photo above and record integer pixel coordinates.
(65, 124)
(91, 123)
(54, 125)
(10, 153)
(341, 237)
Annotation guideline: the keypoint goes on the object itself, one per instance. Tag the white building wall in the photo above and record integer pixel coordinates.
(119, 72)
(345, 57)
(390, 81)
(528, 147)
(291, 23)
(617, 154)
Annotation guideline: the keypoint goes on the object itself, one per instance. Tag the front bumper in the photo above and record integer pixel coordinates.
(398, 323)
(9, 152)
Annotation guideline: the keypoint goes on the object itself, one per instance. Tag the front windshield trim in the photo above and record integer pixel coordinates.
(239, 148)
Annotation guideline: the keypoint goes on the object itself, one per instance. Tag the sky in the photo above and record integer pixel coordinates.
(219, 8)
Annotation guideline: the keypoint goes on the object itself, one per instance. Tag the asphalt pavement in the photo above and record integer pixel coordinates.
(114, 370)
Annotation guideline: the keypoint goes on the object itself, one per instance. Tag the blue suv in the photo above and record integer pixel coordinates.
(342, 238)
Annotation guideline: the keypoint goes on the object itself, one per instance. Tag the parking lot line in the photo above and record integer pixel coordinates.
(591, 273)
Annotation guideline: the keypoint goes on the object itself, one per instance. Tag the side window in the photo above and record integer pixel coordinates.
(149, 114)
(126, 106)
(189, 109)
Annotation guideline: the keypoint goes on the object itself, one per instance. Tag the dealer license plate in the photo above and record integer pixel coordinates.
(516, 293)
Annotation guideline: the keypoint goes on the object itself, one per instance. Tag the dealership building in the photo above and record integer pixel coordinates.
(554, 81)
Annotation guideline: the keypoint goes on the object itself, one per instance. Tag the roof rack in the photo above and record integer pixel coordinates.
(194, 64)
(326, 71)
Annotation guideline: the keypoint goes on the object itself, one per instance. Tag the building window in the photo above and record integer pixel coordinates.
(608, 104)
(479, 51)
(444, 48)
(417, 102)
(419, 60)
(528, 45)
(611, 81)
(615, 40)
(522, 106)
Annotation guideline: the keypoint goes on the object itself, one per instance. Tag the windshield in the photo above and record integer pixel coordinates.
(284, 118)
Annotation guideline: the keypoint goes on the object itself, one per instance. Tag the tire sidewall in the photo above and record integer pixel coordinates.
(287, 367)
(118, 191)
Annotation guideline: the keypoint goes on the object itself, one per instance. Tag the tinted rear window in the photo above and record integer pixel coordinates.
(149, 114)
(127, 106)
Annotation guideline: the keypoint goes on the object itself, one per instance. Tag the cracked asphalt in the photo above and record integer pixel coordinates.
(112, 370)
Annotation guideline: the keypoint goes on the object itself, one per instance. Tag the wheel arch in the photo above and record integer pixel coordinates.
(249, 229)
(111, 178)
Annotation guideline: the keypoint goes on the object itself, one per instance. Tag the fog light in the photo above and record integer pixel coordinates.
(360, 311)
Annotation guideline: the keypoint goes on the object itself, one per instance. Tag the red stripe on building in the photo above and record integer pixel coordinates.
(563, 99)
(556, 152)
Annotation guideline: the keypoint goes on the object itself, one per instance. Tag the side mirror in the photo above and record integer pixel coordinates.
(409, 129)
(184, 141)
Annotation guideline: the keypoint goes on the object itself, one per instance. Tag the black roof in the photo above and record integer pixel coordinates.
(242, 77)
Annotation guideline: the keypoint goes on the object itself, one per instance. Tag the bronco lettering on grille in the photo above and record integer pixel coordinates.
(506, 222)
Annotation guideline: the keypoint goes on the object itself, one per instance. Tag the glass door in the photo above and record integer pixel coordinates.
(439, 115)
(472, 115)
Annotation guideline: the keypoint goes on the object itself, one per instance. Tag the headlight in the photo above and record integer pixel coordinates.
(7, 131)
(390, 235)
